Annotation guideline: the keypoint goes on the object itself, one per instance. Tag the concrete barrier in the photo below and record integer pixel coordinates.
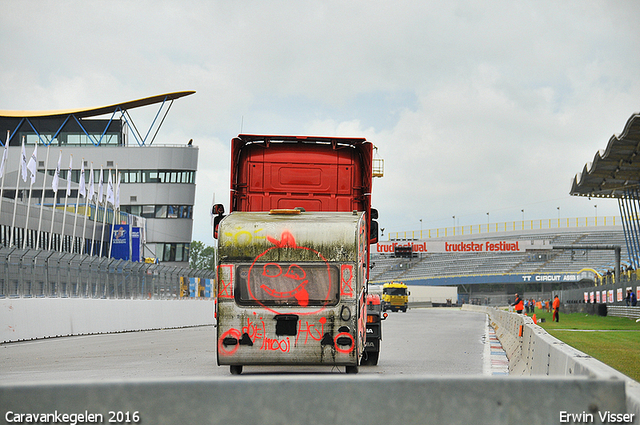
(33, 318)
(537, 353)
(320, 400)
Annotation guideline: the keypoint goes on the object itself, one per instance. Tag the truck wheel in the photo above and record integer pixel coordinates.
(236, 369)
(352, 369)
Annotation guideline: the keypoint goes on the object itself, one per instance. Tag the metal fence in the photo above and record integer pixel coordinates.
(605, 291)
(42, 273)
(509, 226)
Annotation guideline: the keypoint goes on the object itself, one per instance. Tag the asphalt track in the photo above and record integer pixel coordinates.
(428, 341)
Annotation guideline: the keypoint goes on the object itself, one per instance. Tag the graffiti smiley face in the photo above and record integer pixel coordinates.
(294, 276)
(305, 279)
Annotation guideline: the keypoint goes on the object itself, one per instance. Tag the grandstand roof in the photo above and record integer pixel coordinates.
(614, 171)
(97, 111)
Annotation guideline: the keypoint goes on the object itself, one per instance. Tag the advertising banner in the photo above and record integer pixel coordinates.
(193, 286)
(120, 241)
(208, 288)
(444, 246)
(136, 244)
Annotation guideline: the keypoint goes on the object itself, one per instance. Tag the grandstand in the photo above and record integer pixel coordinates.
(614, 173)
(451, 268)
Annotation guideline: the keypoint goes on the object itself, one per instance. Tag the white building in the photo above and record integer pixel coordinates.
(157, 181)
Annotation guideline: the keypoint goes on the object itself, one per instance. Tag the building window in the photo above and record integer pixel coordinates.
(172, 211)
(172, 251)
(148, 211)
(159, 211)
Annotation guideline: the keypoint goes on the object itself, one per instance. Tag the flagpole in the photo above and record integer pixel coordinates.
(66, 199)
(104, 217)
(5, 155)
(88, 199)
(33, 167)
(54, 186)
(75, 218)
(113, 222)
(75, 221)
(95, 219)
(26, 223)
(44, 186)
(98, 199)
(23, 159)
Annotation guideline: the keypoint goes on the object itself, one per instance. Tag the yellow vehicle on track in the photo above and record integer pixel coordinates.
(395, 296)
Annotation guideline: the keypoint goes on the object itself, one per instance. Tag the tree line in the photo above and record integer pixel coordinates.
(201, 256)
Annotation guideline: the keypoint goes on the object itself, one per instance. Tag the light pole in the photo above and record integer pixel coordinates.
(420, 229)
(596, 207)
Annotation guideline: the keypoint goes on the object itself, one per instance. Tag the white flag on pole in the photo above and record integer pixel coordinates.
(117, 204)
(23, 163)
(56, 176)
(69, 175)
(92, 190)
(110, 193)
(32, 166)
(100, 184)
(5, 153)
(82, 190)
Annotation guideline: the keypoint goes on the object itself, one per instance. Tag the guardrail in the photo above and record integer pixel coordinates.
(606, 291)
(508, 226)
(533, 352)
(41, 273)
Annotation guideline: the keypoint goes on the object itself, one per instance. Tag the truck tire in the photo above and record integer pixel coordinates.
(236, 369)
(351, 369)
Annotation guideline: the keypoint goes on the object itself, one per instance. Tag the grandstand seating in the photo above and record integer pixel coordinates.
(432, 265)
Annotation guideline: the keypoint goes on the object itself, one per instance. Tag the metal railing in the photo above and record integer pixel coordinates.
(509, 226)
(606, 290)
(40, 273)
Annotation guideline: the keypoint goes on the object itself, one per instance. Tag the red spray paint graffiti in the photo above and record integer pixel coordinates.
(295, 272)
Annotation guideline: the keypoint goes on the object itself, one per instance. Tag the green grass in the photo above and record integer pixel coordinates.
(619, 348)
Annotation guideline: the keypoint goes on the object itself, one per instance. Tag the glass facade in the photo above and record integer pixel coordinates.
(172, 251)
(158, 176)
(159, 211)
(131, 176)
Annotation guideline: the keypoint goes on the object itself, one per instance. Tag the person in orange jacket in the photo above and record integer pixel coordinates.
(519, 304)
(556, 309)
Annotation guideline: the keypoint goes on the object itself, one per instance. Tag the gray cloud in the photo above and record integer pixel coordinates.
(475, 107)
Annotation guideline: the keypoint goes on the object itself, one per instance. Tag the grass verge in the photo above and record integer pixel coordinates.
(615, 340)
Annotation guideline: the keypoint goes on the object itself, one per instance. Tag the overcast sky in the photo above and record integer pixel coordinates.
(476, 106)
